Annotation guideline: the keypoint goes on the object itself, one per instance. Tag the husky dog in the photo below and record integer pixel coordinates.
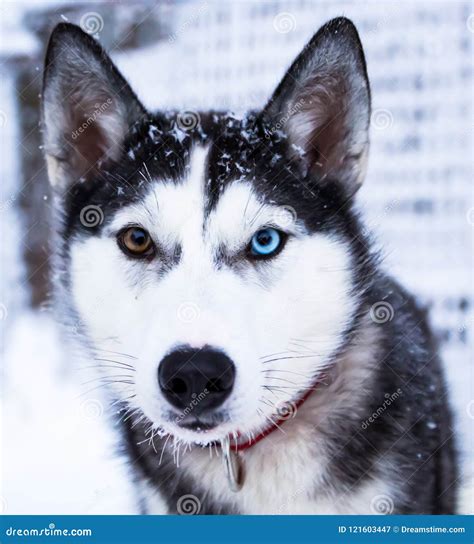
(262, 361)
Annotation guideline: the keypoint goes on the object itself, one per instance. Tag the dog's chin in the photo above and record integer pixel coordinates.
(207, 431)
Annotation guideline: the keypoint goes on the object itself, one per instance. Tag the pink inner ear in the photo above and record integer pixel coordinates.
(89, 148)
(97, 133)
(328, 131)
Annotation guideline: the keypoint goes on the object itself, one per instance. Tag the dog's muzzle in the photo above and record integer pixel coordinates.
(196, 381)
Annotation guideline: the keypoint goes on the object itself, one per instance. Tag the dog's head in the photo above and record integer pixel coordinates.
(214, 263)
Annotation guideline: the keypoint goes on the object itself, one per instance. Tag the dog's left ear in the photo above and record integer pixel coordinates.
(323, 106)
(88, 107)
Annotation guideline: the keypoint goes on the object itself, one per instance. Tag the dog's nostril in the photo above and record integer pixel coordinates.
(221, 384)
(177, 386)
(189, 374)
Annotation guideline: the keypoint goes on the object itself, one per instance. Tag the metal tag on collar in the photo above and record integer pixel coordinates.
(233, 466)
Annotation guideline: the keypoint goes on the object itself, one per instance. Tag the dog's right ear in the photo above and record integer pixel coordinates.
(87, 107)
(323, 106)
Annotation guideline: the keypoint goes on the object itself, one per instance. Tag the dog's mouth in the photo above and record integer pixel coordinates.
(199, 423)
(198, 426)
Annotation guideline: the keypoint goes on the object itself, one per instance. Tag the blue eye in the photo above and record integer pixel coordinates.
(266, 242)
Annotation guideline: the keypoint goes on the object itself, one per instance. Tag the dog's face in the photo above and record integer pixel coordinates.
(212, 262)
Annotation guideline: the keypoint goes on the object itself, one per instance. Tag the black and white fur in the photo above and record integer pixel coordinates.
(309, 313)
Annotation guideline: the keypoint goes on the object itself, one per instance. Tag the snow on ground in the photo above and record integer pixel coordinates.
(58, 449)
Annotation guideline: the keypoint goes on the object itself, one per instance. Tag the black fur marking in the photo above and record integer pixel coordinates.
(414, 434)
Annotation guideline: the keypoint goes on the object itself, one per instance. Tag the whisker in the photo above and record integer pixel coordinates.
(282, 380)
(127, 355)
(309, 388)
(301, 345)
(129, 414)
(286, 372)
(103, 359)
(121, 401)
(163, 449)
(95, 388)
(268, 388)
(105, 378)
(286, 358)
(139, 420)
(270, 420)
(117, 366)
(277, 353)
(268, 403)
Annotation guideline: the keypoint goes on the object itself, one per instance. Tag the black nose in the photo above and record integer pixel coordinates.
(205, 376)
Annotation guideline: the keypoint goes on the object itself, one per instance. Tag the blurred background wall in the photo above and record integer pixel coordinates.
(418, 196)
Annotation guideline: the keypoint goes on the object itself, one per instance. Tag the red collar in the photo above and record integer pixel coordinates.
(292, 409)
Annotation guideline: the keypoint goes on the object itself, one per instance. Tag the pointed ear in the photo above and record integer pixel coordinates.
(323, 106)
(87, 109)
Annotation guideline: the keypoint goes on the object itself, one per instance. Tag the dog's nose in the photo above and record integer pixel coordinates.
(198, 379)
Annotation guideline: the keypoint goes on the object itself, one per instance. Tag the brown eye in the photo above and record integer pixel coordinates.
(136, 242)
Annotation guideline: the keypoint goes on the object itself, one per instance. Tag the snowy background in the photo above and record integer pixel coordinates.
(57, 449)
